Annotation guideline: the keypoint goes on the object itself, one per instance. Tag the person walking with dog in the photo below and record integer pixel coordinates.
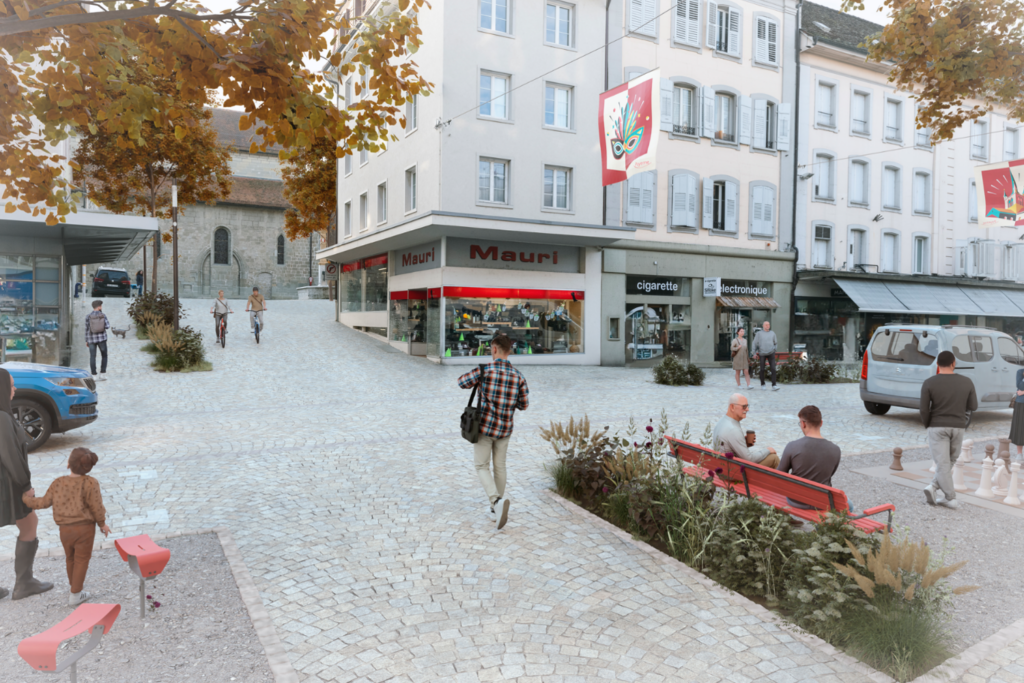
(503, 390)
(96, 326)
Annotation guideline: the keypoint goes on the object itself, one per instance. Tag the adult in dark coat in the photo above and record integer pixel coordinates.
(15, 479)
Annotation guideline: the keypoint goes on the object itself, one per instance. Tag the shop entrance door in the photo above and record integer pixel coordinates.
(729, 322)
(417, 322)
(646, 333)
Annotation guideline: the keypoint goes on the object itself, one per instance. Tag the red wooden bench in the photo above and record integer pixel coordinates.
(146, 560)
(773, 487)
(40, 651)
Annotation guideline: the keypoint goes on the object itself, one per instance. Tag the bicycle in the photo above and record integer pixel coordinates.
(256, 327)
(222, 330)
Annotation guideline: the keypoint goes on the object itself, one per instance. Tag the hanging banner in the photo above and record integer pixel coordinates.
(1000, 189)
(628, 121)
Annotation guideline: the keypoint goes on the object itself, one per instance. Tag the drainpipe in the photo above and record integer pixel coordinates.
(796, 158)
(604, 188)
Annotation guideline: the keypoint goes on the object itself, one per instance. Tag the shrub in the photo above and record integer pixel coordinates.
(690, 517)
(674, 372)
(581, 453)
(176, 350)
(149, 306)
(814, 370)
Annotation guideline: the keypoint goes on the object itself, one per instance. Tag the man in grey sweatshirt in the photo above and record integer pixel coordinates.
(765, 346)
(946, 398)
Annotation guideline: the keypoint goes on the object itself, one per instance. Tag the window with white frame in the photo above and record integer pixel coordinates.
(1010, 144)
(494, 16)
(765, 125)
(893, 120)
(825, 106)
(686, 22)
(858, 249)
(922, 135)
(364, 210)
(558, 106)
(410, 189)
(557, 188)
(890, 252)
(684, 110)
(412, 114)
(766, 41)
(824, 176)
(558, 24)
(348, 164)
(725, 117)
(348, 219)
(922, 192)
(821, 252)
(493, 181)
(364, 157)
(891, 188)
(721, 205)
(683, 202)
(972, 202)
(642, 17)
(762, 216)
(494, 95)
(724, 29)
(640, 198)
(859, 178)
(920, 264)
(979, 140)
(860, 113)
(382, 203)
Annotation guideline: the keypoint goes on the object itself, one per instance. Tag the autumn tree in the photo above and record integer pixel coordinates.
(136, 177)
(68, 67)
(950, 52)
(310, 186)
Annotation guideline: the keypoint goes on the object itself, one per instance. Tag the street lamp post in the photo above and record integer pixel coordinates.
(174, 244)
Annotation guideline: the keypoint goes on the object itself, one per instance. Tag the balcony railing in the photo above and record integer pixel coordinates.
(726, 137)
(684, 130)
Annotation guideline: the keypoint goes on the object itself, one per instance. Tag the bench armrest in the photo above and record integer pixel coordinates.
(888, 507)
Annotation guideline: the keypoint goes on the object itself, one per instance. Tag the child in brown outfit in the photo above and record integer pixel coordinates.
(77, 510)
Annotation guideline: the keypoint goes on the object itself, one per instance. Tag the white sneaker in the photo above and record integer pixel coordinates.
(502, 513)
(77, 599)
(764, 387)
(490, 511)
(951, 504)
(102, 377)
(775, 387)
(929, 494)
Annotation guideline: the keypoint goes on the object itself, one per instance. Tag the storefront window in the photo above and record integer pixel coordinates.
(657, 330)
(535, 325)
(823, 326)
(376, 283)
(352, 287)
(399, 319)
(408, 318)
(29, 309)
(433, 330)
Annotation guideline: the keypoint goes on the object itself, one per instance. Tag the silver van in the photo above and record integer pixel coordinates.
(901, 357)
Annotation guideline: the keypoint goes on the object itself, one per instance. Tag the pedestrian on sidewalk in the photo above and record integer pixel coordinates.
(255, 307)
(740, 359)
(77, 509)
(765, 346)
(503, 391)
(96, 326)
(946, 399)
(15, 479)
(728, 436)
(1017, 421)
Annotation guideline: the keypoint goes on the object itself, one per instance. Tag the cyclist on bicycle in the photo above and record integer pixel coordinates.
(255, 307)
(220, 309)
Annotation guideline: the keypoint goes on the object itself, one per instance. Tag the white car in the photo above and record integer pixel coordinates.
(901, 357)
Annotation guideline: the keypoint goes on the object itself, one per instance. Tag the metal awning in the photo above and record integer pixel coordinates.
(86, 237)
(747, 302)
(992, 301)
(870, 295)
(935, 299)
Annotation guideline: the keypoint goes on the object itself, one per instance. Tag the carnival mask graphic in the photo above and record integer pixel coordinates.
(627, 135)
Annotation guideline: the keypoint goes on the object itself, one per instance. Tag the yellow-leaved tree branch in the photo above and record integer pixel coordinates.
(89, 65)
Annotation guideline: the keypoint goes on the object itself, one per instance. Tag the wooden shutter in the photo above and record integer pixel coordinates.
(732, 206)
(760, 135)
(757, 208)
(785, 114)
(745, 123)
(647, 198)
(634, 189)
(734, 33)
(768, 210)
(691, 199)
(636, 14)
(693, 22)
(642, 17)
(708, 112)
(680, 200)
(708, 207)
(712, 36)
(773, 42)
(761, 40)
(666, 105)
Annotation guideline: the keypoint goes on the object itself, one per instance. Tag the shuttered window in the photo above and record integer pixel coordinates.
(762, 219)
(686, 22)
(640, 198)
(723, 32)
(642, 18)
(683, 201)
(766, 41)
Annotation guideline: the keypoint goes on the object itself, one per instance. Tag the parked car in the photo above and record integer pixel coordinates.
(111, 282)
(901, 357)
(51, 398)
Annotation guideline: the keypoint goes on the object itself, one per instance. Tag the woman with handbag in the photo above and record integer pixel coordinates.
(1017, 421)
(740, 359)
(15, 479)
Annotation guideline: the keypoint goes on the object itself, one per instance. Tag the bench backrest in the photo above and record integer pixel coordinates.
(748, 474)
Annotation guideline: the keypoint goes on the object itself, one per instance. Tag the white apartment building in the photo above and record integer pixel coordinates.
(488, 213)
(885, 221)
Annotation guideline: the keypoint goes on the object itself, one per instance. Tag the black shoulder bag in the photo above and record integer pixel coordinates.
(470, 421)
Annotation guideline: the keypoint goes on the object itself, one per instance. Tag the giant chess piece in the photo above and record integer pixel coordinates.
(990, 453)
(1004, 451)
(897, 453)
(959, 484)
(985, 487)
(1011, 495)
(1000, 479)
(967, 449)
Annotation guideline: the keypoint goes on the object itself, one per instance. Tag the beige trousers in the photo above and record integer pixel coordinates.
(486, 450)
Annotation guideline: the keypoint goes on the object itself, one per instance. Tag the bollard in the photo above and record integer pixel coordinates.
(897, 453)
(985, 487)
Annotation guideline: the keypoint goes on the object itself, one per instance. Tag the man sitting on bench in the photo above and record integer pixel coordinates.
(728, 435)
(812, 457)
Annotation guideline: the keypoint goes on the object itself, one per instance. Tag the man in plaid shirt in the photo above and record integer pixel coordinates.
(503, 390)
(97, 320)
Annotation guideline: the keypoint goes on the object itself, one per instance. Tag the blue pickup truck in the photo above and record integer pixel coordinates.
(51, 398)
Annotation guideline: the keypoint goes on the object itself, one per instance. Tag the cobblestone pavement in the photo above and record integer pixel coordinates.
(338, 466)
